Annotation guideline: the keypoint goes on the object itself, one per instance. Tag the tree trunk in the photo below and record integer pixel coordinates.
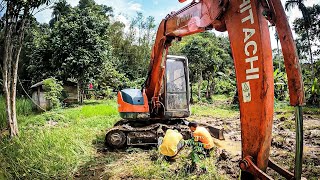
(14, 35)
(191, 94)
(310, 52)
(8, 84)
(207, 90)
(14, 85)
(211, 90)
(80, 91)
(199, 86)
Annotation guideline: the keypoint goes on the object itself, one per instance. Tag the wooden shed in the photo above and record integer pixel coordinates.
(38, 96)
(70, 93)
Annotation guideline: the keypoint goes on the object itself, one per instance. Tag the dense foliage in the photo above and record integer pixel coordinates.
(308, 46)
(52, 91)
(209, 60)
(86, 44)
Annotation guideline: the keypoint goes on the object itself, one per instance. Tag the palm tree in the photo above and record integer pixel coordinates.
(307, 23)
(60, 8)
(276, 36)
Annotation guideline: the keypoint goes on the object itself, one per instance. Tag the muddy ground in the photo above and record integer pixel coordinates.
(136, 163)
(283, 144)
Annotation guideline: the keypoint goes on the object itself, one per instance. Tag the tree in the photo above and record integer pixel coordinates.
(132, 49)
(80, 44)
(60, 8)
(209, 58)
(306, 23)
(36, 63)
(15, 20)
(312, 36)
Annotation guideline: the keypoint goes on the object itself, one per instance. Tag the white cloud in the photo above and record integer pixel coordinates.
(119, 7)
(134, 6)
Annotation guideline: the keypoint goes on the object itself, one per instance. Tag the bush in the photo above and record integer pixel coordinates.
(53, 91)
(280, 85)
(224, 86)
(314, 98)
(106, 93)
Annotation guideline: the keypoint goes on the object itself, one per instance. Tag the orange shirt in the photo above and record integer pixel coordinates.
(170, 143)
(202, 134)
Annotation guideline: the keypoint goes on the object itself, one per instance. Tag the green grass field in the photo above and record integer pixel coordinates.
(62, 143)
(54, 144)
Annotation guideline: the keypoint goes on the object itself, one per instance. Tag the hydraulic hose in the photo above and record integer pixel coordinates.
(299, 142)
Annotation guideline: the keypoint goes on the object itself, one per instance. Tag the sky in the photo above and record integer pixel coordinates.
(125, 10)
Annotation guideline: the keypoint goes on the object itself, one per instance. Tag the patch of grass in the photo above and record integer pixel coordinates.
(100, 110)
(24, 108)
(214, 111)
(151, 165)
(283, 109)
(47, 150)
(288, 124)
(221, 97)
(312, 110)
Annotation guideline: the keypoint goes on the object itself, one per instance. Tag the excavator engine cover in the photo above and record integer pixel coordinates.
(133, 104)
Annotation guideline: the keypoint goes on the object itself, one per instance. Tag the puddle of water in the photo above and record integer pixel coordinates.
(233, 147)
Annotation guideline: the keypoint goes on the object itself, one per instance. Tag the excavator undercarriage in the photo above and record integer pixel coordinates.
(146, 132)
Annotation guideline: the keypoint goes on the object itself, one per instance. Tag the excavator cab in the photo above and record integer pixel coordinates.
(133, 103)
(177, 93)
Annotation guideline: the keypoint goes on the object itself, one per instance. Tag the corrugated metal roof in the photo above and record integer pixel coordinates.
(37, 84)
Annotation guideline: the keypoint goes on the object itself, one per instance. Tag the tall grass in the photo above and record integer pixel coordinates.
(24, 108)
(53, 145)
(2, 112)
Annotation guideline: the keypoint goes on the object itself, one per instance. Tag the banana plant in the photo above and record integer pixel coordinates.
(280, 86)
(315, 93)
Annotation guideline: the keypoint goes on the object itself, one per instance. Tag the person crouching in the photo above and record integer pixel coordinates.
(171, 144)
(202, 135)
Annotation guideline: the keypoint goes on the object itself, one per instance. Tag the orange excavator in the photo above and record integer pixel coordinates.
(163, 101)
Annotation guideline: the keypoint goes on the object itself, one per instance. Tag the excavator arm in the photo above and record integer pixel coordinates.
(246, 22)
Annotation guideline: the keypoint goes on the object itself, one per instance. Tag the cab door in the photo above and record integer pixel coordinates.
(177, 87)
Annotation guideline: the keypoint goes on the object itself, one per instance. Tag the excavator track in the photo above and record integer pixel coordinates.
(146, 132)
